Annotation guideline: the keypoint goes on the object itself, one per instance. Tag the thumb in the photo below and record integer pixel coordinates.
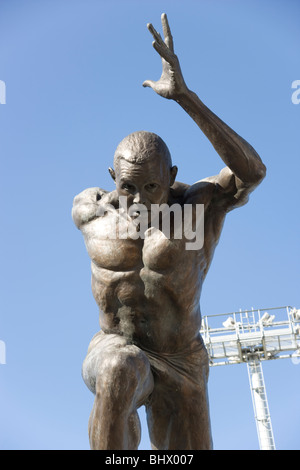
(149, 83)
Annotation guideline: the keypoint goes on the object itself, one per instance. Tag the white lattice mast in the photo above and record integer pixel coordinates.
(252, 337)
(260, 404)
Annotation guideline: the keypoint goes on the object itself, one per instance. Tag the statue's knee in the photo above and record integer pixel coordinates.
(121, 374)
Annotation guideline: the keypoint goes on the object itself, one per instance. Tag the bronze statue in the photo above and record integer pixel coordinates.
(149, 350)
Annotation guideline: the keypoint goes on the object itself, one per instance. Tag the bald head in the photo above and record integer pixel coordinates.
(140, 147)
(143, 167)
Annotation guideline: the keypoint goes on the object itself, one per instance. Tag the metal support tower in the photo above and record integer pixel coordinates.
(253, 336)
(260, 404)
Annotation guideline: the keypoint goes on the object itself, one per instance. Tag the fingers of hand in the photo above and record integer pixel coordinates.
(164, 52)
(167, 31)
(155, 34)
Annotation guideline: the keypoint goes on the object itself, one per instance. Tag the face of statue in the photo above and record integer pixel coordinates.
(145, 183)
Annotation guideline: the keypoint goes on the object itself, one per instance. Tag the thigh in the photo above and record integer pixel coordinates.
(108, 352)
(178, 409)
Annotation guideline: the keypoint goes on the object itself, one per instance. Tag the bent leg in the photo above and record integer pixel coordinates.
(120, 377)
(178, 410)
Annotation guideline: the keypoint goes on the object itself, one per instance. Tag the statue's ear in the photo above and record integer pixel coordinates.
(112, 174)
(173, 173)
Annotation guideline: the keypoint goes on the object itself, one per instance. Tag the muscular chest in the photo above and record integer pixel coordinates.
(121, 248)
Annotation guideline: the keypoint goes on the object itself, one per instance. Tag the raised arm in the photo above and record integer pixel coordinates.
(237, 154)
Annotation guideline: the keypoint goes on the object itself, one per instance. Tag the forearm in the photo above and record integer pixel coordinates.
(236, 153)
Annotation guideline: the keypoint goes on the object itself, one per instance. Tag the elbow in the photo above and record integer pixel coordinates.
(261, 173)
(253, 176)
(256, 170)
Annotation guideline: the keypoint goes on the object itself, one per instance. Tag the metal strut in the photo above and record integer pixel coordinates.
(260, 404)
(253, 336)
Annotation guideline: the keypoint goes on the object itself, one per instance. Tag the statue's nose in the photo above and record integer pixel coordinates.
(138, 198)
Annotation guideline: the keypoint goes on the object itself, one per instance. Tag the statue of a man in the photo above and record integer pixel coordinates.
(149, 350)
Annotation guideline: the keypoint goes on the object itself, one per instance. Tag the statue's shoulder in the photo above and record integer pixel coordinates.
(200, 192)
(177, 192)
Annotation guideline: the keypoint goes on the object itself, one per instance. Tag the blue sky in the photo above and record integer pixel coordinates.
(73, 72)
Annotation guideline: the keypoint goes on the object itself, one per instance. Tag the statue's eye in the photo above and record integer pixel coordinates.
(151, 187)
(128, 187)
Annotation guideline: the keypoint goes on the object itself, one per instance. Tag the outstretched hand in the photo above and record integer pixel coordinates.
(171, 83)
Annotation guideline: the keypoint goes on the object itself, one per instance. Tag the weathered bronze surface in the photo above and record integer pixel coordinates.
(149, 350)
